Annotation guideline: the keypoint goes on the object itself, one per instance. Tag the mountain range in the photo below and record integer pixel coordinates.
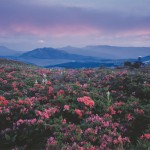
(109, 52)
(4, 51)
(50, 56)
(71, 56)
(51, 53)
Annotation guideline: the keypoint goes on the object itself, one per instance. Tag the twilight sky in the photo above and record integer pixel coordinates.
(27, 24)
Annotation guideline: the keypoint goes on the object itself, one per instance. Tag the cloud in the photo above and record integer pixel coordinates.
(30, 24)
(25, 18)
(41, 41)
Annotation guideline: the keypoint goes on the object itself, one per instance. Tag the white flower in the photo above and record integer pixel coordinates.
(36, 82)
(44, 75)
(108, 95)
(43, 81)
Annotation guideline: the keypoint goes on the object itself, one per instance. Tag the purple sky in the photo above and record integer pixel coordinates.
(27, 24)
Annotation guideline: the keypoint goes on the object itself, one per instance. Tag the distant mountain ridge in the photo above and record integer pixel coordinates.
(4, 51)
(109, 52)
(51, 53)
(51, 56)
(71, 56)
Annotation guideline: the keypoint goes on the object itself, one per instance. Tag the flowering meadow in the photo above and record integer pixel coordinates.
(66, 109)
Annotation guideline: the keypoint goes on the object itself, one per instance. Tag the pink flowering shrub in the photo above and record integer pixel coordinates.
(85, 109)
(145, 136)
(78, 112)
(86, 100)
(3, 101)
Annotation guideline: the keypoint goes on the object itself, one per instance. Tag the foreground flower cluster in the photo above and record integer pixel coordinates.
(86, 109)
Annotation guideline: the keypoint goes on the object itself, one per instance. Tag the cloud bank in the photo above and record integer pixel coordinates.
(18, 18)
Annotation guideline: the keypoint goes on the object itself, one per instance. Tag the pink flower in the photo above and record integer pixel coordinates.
(3, 102)
(4, 81)
(48, 83)
(115, 141)
(24, 110)
(14, 84)
(20, 102)
(112, 111)
(139, 111)
(33, 121)
(113, 91)
(106, 124)
(50, 90)
(46, 115)
(103, 146)
(107, 115)
(118, 103)
(84, 85)
(60, 92)
(86, 100)
(64, 121)
(20, 121)
(78, 112)
(38, 113)
(66, 107)
(121, 140)
(31, 89)
(2, 98)
(50, 141)
(145, 136)
(119, 111)
(129, 117)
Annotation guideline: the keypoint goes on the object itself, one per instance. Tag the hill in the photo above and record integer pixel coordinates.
(4, 61)
(109, 52)
(51, 53)
(4, 51)
(50, 56)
